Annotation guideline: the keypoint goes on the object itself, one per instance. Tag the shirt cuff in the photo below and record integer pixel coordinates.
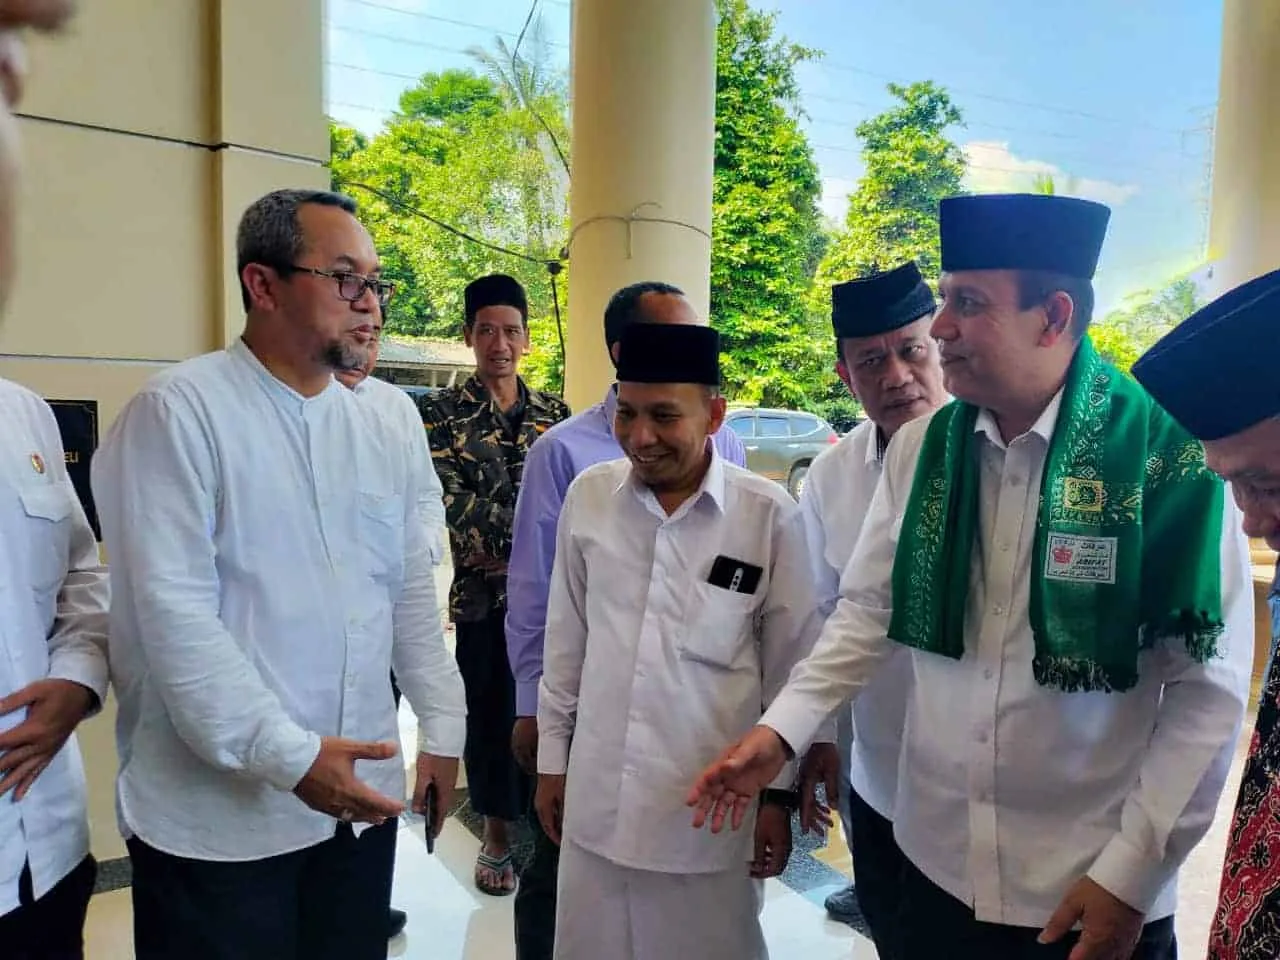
(85, 668)
(1128, 874)
(553, 756)
(436, 550)
(527, 697)
(442, 736)
(792, 721)
(285, 759)
(827, 732)
(786, 779)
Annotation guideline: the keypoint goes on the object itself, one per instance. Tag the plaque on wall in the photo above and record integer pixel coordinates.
(78, 424)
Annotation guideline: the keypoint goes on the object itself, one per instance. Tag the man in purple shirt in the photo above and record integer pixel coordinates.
(552, 463)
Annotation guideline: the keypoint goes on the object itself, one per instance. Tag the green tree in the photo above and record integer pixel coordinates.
(464, 150)
(766, 234)
(910, 165)
(1144, 317)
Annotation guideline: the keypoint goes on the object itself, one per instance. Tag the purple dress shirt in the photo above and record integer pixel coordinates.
(553, 461)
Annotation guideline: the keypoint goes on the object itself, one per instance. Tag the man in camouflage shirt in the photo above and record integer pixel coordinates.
(479, 434)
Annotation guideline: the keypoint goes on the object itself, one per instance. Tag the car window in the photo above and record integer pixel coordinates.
(773, 426)
(744, 427)
(802, 424)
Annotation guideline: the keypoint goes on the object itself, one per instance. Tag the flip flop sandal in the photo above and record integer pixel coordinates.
(500, 866)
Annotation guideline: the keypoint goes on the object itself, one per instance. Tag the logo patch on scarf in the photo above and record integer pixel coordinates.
(1084, 559)
(1082, 495)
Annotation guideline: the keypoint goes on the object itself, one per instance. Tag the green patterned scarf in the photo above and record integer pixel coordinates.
(1127, 539)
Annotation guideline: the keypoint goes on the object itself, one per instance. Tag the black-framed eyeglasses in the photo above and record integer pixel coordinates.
(351, 286)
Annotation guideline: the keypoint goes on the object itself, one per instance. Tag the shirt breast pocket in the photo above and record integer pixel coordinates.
(48, 514)
(721, 626)
(382, 534)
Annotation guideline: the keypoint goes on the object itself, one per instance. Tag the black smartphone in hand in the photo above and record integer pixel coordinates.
(432, 804)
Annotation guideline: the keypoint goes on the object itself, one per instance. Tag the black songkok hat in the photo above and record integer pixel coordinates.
(669, 353)
(495, 290)
(1215, 373)
(1022, 231)
(880, 303)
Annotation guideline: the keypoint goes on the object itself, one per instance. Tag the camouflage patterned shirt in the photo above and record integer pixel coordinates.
(479, 452)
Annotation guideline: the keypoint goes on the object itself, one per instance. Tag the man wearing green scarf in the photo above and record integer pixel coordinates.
(1075, 594)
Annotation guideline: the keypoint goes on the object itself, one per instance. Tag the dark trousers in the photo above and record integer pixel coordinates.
(535, 905)
(933, 924)
(496, 786)
(327, 902)
(878, 865)
(51, 928)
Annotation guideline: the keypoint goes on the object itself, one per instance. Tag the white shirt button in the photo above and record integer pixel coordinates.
(988, 673)
(998, 610)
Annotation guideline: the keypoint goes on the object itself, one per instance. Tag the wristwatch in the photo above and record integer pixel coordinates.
(787, 799)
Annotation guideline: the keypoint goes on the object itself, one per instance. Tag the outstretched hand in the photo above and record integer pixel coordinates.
(331, 785)
(729, 786)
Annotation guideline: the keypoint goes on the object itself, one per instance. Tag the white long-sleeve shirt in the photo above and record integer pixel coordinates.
(1008, 791)
(270, 565)
(649, 669)
(389, 401)
(837, 496)
(53, 624)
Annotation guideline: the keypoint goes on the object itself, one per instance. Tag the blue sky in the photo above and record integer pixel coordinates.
(1115, 99)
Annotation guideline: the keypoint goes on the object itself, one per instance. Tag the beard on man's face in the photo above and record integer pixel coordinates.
(343, 356)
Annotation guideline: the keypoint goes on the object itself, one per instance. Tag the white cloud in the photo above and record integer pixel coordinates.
(834, 201)
(994, 168)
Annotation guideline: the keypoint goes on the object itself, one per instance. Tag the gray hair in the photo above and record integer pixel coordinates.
(269, 231)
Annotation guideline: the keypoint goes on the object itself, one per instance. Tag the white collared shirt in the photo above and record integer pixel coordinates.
(53, 623)
(403, 419)
(837, 495)
(1008, 791)
(649, 669)
(270, 566)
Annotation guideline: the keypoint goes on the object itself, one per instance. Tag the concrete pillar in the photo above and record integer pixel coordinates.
(643, 82)
(1244, 223)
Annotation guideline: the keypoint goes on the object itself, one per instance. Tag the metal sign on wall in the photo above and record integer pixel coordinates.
(78, 424)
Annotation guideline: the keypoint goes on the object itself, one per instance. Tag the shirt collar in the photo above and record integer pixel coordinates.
(277, 388)
(1043, 427)
(875, 454)
(712, 487)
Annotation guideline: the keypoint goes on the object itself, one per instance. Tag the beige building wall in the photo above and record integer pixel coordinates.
(149, 126)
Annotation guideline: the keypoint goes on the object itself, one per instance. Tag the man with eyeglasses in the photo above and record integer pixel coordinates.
(271, 566)
(480, 433)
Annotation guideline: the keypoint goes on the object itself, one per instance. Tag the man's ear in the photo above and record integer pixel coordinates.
(719, 406)
(842, 371)
(1059, 311)
(261, 282)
